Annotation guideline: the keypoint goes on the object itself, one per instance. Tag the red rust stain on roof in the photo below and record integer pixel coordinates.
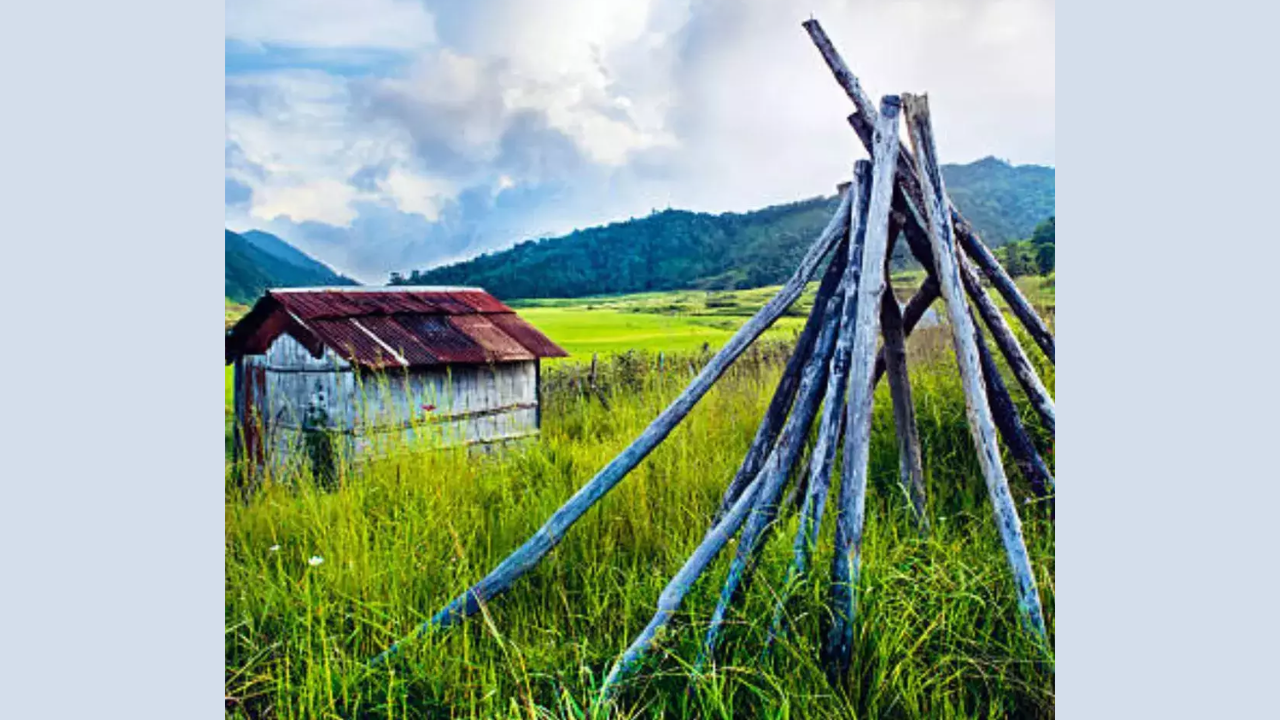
(380, 328)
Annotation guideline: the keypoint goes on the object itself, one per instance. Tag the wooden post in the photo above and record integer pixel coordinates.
(749, 503)
(595, 387)
(911, 314)
(910, 463)
(838, 645)
(1002, 282)
(549, 535)
(1009, 347)
(964, 336)
(1010, 425)
(907, 201)
(832, 351)
(237, 415)
(831, 425)
(968, 238)
(784, 394)
(777, 469)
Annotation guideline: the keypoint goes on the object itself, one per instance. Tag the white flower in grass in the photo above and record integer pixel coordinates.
(315, 560)
(274, 548)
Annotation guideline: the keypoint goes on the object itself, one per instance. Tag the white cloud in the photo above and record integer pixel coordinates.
(417, 194)
(517, 118)
(300, 147)
(325, 200)
(328, 24)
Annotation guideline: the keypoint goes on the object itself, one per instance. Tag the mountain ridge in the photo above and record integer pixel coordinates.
(251, 265)
(681, 249)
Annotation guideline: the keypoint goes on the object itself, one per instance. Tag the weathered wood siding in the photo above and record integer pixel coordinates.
(444, 406)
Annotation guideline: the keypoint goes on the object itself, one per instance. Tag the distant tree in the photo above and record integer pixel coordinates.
(1045, 258)
(1042, 240)
(1043, 234)
(1018, 259)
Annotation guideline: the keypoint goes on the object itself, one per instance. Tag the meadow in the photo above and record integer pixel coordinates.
(317, 582)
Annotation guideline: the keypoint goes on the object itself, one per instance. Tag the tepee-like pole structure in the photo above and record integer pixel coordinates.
(835, 366)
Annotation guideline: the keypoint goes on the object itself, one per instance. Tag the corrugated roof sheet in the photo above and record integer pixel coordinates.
(498, 346)
(381, 327)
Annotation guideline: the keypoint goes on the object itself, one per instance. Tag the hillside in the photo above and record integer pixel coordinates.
(1004, 202)
(256, 261)
(677, 249)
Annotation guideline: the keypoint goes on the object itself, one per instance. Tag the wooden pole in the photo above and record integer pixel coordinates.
(784, 394)
(1010, 425)
(831, 426)
(1003, 283)
(1009, 347)
(849, 519)
(775, 473)
(762, 491)
(964, 336)
(969, 240)
(595, 387)
(1005, 412)
(549, 535)
(910, 462)
(907, 201)
(835, 343)
(915, 309)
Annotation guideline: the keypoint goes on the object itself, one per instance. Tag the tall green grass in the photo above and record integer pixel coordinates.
(937, 635)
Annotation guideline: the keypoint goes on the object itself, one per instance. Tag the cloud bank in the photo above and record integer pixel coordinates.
(383, 135)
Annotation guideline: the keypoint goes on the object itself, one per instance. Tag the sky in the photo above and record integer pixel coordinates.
(392, 135)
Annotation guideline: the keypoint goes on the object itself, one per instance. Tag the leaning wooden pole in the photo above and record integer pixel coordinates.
(857, 440)
(1006, 414)
(785, 392)
(1010, 425)
(968, 238)
(915, 309)
(774, 476)
(964, 336)
(907, 199)
(817, 378)
(1003, 282)
(1012, 431)
(549, 535)
(1009, 346)
(764, 490)
(831, 426)
(910, 460)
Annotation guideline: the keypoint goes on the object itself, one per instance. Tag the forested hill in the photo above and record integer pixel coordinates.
(256, 261)
(677, 249)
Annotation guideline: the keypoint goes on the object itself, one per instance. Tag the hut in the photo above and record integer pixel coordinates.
(359, 365)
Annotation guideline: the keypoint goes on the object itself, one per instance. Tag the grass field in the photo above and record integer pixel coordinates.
(318, 582)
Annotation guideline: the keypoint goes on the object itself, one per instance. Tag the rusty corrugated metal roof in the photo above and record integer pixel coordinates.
(498, 346)
(385, 328)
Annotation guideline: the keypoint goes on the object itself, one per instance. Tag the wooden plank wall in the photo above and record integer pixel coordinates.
(427, 407)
